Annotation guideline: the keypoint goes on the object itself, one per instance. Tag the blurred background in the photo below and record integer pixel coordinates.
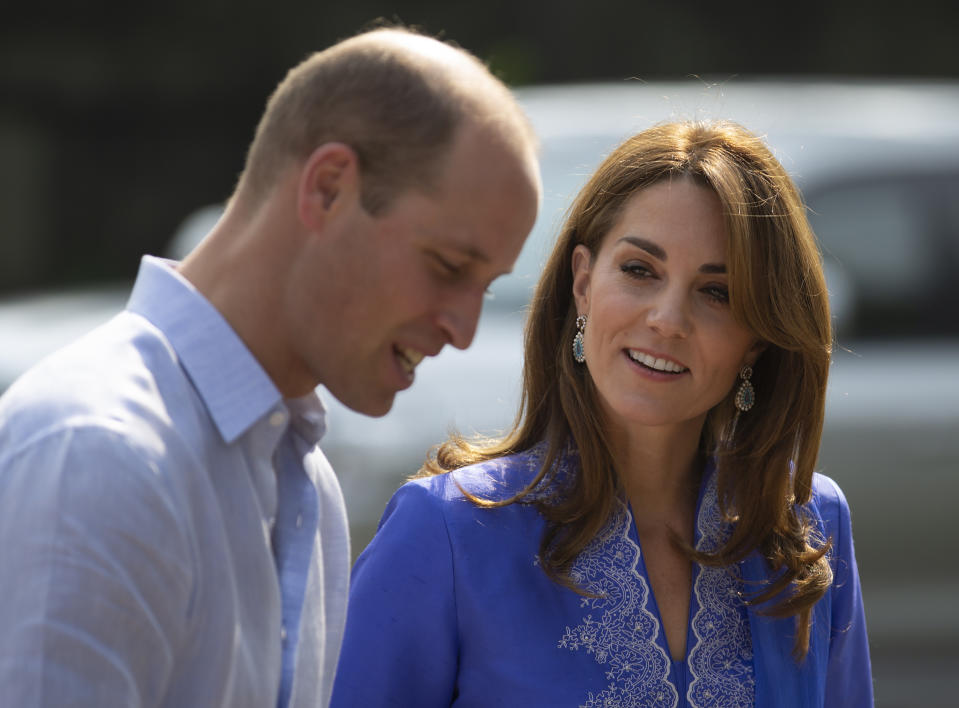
(118, 118)
(124, 125)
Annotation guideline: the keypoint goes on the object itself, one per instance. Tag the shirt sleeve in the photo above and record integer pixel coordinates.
(400, 646)
(849, 675)
(94, 573)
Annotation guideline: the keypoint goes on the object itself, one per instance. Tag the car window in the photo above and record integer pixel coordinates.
(891, 244)
(565, 166)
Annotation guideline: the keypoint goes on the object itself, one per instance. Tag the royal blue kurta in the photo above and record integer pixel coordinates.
(449, 607)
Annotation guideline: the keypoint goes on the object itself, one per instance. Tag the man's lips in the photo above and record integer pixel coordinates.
(408, 358)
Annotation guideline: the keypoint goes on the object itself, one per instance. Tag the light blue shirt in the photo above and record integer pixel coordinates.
(172, 534)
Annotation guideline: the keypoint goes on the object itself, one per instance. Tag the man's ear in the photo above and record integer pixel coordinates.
(580, 264)
(329, 178)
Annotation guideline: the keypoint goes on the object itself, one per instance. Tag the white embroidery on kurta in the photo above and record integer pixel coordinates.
(621, 632)
(623, 637)
(721, 660)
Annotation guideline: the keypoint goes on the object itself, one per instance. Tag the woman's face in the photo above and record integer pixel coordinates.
(661, 343)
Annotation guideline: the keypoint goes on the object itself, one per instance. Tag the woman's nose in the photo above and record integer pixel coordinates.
(668, 314)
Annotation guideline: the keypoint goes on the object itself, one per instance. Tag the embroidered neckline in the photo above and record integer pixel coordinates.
(721, 659)
(621, 633)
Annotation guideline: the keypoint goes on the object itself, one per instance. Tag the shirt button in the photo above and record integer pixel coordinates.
(299, 520)
(283, 632)
(277, 419)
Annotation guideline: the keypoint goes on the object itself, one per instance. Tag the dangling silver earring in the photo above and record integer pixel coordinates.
(746, 395)
(579, 348)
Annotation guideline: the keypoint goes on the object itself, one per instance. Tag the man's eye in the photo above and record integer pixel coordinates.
(447, 266)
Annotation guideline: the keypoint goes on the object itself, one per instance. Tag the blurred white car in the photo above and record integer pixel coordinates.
(878, 164)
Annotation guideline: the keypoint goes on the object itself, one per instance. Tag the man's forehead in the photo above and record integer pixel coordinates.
(476, 252)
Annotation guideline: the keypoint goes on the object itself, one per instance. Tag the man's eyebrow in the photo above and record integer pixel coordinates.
(470, 251)
(655, 250)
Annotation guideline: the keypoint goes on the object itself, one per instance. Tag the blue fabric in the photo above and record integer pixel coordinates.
(449, 607)
(145, 472)
(836, 672)
(292, 547)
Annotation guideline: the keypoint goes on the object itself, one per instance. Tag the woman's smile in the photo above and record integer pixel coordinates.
(656, 296)
(659, 364)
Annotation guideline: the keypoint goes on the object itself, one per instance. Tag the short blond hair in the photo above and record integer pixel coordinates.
(396, 97)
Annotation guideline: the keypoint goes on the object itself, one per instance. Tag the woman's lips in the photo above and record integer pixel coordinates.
(662, 364)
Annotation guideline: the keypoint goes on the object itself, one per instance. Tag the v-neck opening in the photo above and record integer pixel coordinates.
(692, 604)
(622, 627)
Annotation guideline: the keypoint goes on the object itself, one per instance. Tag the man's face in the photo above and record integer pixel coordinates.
(399, 286)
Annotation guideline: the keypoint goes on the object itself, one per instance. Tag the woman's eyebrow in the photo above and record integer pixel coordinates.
(655, 250)
(651, 248)
(713, 268)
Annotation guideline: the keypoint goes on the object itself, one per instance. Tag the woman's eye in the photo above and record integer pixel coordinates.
(717, 293)
(636, 270)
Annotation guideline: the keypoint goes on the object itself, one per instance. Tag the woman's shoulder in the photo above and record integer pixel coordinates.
(828, 498)
(497, 479)
(830, 505)
(445, 505)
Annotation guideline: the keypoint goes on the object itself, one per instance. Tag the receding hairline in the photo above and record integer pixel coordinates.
(413, 44)
(474, 87)
(473, 95)
(485, 104)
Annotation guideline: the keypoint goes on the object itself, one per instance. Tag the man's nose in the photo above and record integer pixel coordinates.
(460, 318)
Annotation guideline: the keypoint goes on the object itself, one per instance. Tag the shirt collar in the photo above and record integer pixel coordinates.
(308, 417)
(235, 389)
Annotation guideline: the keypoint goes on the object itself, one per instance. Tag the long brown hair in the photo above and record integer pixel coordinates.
(764, 458)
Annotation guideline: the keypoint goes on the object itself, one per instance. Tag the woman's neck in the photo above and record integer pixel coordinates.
(659, 468)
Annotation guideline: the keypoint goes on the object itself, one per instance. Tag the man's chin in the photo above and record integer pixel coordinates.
(378, 412)
(375, 408)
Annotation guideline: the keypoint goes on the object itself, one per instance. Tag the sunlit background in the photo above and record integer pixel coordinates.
(125, 124)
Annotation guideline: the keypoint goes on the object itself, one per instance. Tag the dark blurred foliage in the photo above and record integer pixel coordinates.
(119, 118)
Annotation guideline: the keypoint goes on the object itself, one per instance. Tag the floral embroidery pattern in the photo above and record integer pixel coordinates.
(620, 632)
(721, 660)
(623, 636)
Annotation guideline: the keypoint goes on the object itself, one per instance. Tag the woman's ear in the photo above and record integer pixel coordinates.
(755, 351)
(328, 179)
(581, 262)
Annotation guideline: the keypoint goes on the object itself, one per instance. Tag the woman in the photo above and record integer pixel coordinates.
(651, 532)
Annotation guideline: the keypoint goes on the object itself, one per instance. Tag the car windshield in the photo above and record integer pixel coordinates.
(889, 240)
(892, 239)
(565, 164)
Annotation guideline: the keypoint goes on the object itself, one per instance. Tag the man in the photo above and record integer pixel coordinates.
(172, 536)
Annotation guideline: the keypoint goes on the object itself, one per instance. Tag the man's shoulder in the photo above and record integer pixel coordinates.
(118, 372)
